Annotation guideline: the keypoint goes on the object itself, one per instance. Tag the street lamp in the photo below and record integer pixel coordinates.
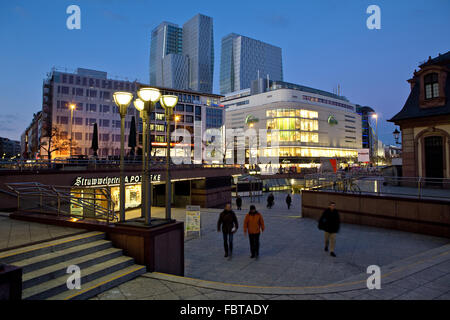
(71, 107)
(145, 104)
(396, 134)
(168, 102)
(122, 100)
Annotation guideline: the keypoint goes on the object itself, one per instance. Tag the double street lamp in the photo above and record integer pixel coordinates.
(145, 104)
(148, 97)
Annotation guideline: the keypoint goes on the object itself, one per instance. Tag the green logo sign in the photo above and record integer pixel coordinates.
(251, 119)
(332, 121)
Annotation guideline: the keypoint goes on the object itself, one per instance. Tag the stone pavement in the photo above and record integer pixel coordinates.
(15, 233)
(293, 265)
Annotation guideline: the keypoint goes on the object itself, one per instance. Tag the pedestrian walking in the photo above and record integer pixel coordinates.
(239, 202)
(270, 201)
(229, 225)
(330, 222)
(253, 224)
(288, 201)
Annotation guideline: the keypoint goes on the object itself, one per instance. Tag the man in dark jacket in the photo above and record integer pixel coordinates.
(330, 222)
(288, 201)
(270, 201)
(239, 202)
(229, 224)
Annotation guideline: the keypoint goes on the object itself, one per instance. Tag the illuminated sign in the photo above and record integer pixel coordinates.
(332, 121)
(110, 181)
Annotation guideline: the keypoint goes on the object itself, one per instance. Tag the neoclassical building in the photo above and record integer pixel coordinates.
(425, 121)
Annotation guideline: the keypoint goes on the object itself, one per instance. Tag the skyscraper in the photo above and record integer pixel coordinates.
(198, 46)
(244, 59)
(183, 58)
(166, 59)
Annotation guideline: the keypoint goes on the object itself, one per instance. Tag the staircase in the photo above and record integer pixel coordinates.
(45, 267)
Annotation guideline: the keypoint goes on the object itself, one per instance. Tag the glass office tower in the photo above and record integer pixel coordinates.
(244, 59)
(198, 46)
(183, 58)
(166, 58)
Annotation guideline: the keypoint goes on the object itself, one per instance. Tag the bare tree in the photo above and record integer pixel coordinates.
(55, 141)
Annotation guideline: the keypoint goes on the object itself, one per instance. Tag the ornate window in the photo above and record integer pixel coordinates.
(431, 86)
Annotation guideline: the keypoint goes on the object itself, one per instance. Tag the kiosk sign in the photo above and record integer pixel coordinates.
(193, 219)
(363, 155)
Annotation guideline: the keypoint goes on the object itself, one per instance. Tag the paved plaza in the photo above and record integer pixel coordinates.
(14, 233)
(293, 265)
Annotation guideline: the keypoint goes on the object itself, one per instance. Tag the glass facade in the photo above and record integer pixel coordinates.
(166, 39)
(243, 59)
(183, 58)
(198, 45)
(294, 125)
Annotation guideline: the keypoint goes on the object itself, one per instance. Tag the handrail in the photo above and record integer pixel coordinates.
(30, 190)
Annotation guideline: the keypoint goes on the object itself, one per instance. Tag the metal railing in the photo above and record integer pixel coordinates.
(95, 204)
(30, 165)
(410, 187)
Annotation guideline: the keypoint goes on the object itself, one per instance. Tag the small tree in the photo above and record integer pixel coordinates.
(55, 141)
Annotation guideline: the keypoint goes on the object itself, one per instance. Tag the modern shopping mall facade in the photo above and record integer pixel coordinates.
(313, 124)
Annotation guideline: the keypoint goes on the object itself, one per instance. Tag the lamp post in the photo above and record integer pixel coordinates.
(145, 104)
(168, 102)
(396, 134)
(72, 107)
(122, 100)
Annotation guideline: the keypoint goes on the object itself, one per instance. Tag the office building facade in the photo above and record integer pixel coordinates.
(369, 138)
(91, 92)
(9, 148)
(183, 58)
(168, 67)
(244, 59)
(312, 124)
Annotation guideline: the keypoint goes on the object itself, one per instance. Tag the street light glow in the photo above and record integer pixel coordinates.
(374, 116)
(139, 104)
(72, 106)
(168, 101)
(149, 94)
(122, 98)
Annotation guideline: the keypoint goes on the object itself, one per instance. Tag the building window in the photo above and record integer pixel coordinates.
(431, 86)
(64, 90)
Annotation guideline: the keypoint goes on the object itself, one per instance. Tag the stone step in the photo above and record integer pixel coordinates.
(99, 285)
(22, 253)
(59, 285)
(48, 259)
(59, 269)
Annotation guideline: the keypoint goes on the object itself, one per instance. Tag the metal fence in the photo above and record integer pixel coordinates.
(56, 165)
(411, 187)
(96, 204)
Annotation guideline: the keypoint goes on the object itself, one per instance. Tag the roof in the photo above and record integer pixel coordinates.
(411, 108)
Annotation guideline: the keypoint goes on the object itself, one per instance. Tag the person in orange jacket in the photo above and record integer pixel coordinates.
(254, 224)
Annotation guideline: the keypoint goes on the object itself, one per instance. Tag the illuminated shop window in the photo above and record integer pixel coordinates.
(299, 113)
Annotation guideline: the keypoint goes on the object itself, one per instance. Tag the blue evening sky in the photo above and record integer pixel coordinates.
(324, 42)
